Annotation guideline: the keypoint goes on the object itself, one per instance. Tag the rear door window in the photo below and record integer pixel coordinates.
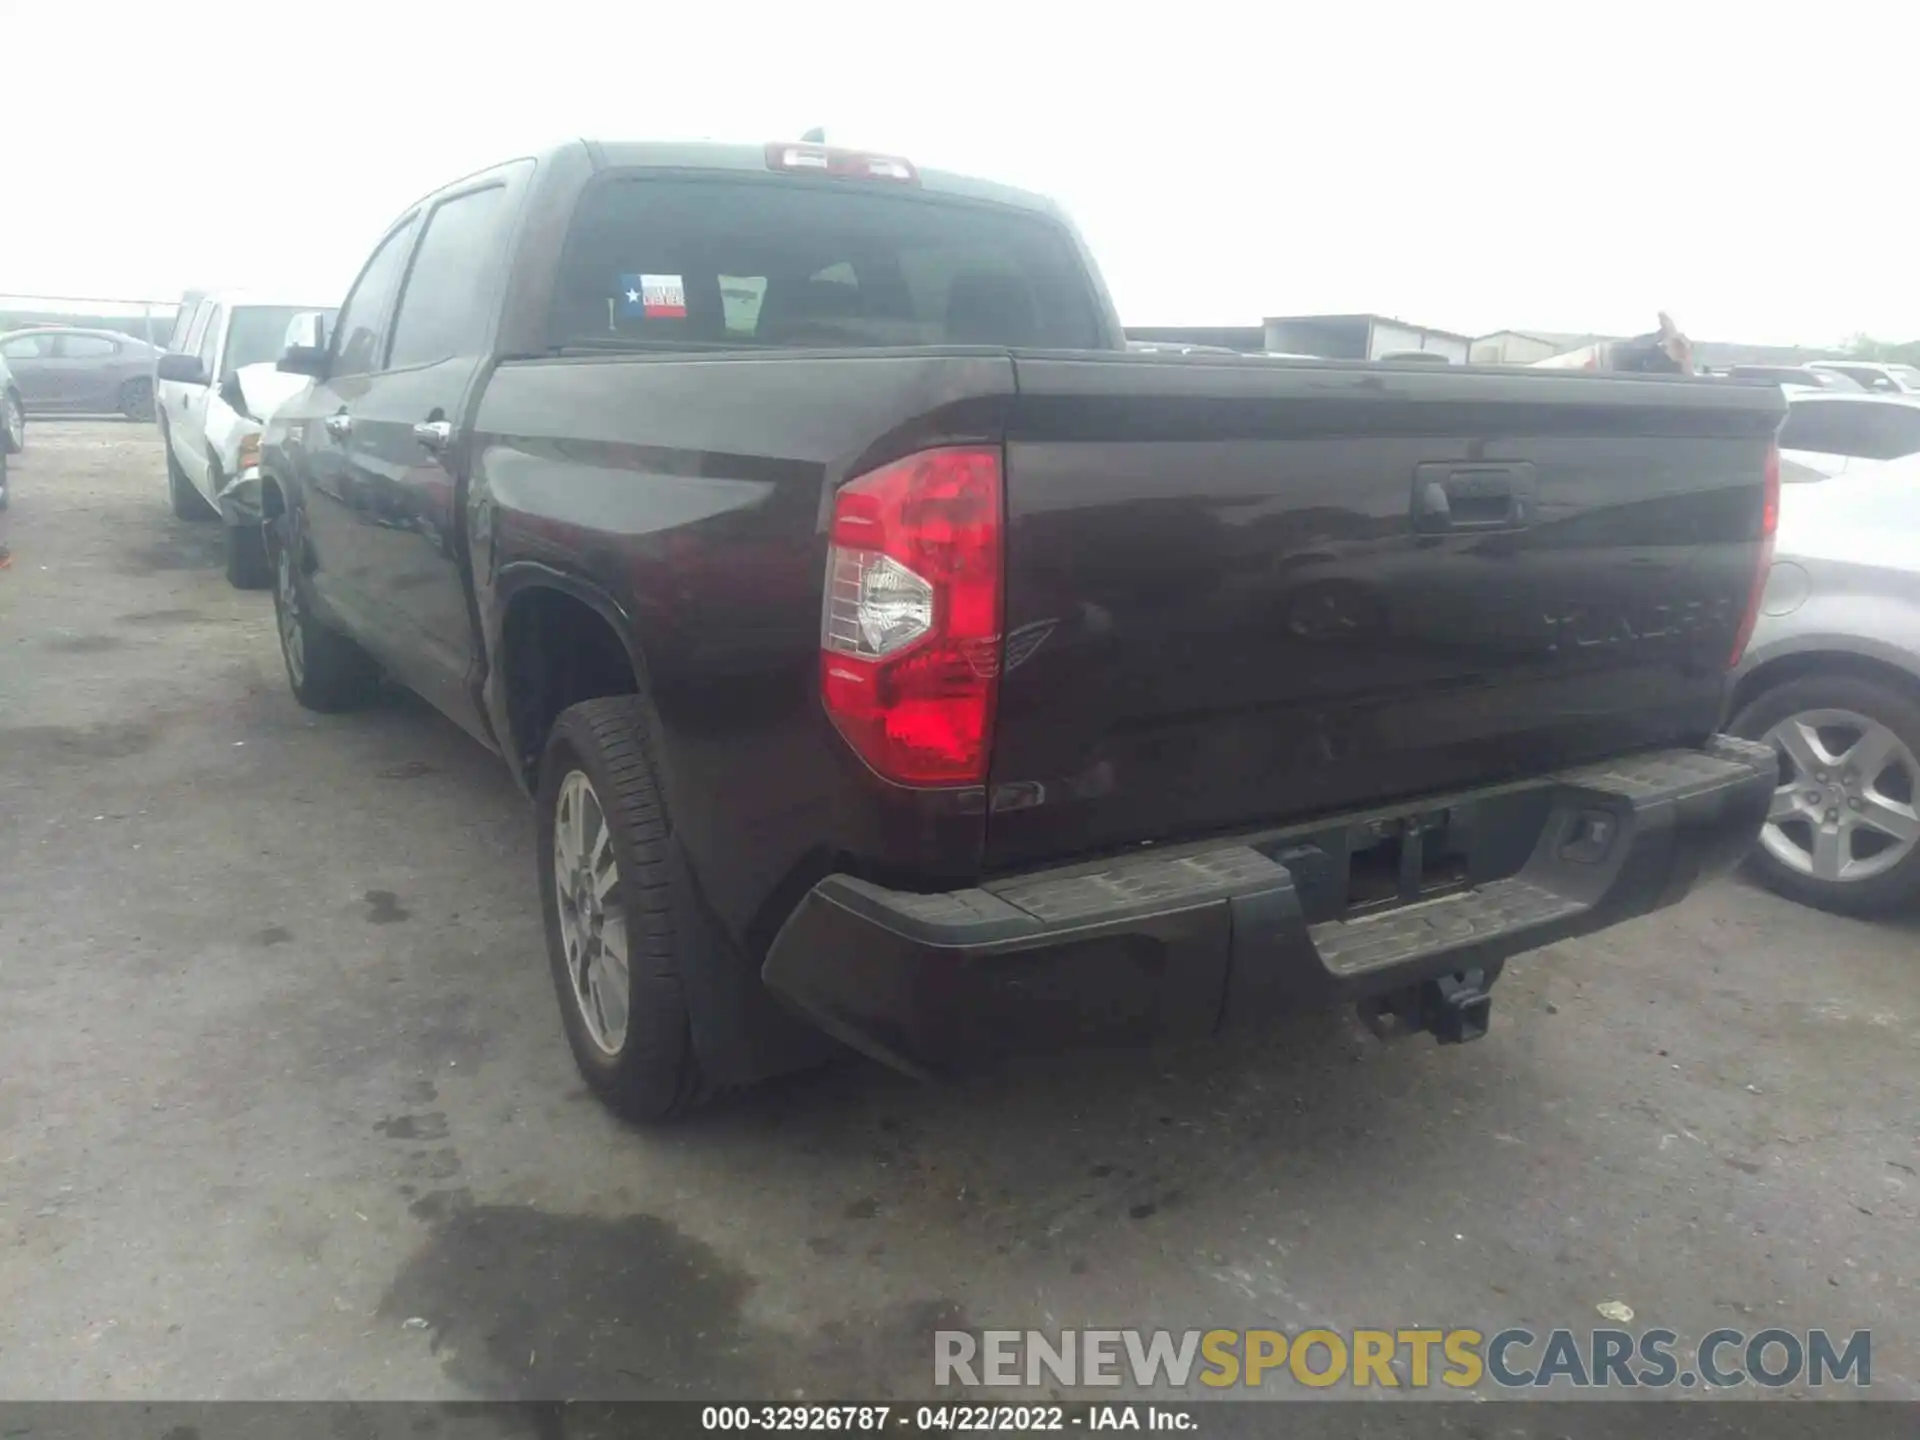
(444, 309)
(86, 347)
(688, 263)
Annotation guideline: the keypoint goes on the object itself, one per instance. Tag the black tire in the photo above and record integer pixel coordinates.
(135, 400)
(329, 673)
(188, 503)
(248, 567)
(1875, 700)
(653, 1074)
(13, 424)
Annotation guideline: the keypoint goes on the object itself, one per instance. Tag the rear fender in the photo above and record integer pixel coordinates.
(740, 1031)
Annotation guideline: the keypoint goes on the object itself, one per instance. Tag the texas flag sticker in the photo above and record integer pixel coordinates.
(653, 297)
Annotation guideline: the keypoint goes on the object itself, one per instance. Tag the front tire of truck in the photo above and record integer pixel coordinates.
(621, 918)
(1843, 833)
(325, 670)
(248, 567)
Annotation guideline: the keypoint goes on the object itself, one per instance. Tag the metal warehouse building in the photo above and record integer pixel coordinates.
(1359, 337)
(1330, 337)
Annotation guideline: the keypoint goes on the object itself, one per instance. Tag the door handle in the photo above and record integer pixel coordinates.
(1449, 499)
(434, 434)
(339, 426)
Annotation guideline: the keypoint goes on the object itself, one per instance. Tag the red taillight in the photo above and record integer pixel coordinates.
(910, 627)
(1763, 559)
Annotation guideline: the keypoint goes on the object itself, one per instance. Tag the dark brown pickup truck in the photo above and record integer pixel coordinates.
(895, 657)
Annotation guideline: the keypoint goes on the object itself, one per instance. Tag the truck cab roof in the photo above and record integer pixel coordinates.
(711, 156)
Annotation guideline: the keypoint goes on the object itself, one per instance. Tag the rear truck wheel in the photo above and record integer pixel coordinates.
(246, 548)
(1843, 832)
(135, 400)
(620, 918)
(326, 670)
(13, 424)
(188, 503)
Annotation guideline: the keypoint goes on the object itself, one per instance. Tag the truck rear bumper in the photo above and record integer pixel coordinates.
(1173, 943)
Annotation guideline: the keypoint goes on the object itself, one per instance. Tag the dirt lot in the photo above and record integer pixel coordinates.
(285, 1108)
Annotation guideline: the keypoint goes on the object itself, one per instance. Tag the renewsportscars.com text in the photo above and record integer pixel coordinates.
(1403, 1358)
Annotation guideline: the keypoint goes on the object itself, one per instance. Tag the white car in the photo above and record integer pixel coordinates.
(213, 394)
(1827, 432)
(1885, 378)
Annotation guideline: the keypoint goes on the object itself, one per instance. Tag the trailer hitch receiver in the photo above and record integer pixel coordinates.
(1453, 1008)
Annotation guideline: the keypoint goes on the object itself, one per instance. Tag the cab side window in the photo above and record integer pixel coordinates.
(440, 313)
(182, 322)
(360, 336)
(196, 328)
(210, 340)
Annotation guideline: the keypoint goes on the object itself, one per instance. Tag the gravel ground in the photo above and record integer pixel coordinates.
(285, 1110)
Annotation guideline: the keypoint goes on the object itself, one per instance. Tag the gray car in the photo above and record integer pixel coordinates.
(1832, 678)
(81, 371)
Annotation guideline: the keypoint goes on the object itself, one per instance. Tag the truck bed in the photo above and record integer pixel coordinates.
(1231, 598)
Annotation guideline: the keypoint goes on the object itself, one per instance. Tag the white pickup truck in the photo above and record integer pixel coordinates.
(214, 391)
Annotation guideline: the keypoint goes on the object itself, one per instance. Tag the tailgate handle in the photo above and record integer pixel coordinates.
(1449, 498)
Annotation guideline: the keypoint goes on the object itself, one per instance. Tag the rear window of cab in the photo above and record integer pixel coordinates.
(723, 263)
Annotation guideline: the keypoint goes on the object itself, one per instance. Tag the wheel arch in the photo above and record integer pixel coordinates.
(559, 640)
(1819, 659)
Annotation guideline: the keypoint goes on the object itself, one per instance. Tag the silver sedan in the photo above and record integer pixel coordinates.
(1832, 678)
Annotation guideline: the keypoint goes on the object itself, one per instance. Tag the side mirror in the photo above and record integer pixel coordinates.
(309, 360)
(186, 369)
(306, 345)
(307, 330)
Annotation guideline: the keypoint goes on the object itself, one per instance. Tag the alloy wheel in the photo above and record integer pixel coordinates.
(593, 923)
(286, 594)
(1845, 807)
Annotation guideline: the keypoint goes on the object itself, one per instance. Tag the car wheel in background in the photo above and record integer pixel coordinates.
(188, 503)
(13, 424)
(246, 550)
(621, 916)
(325, 670)
(1843, 832)
(135, 400)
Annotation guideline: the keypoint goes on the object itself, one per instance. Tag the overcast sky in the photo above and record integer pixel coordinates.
(1470, 166)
